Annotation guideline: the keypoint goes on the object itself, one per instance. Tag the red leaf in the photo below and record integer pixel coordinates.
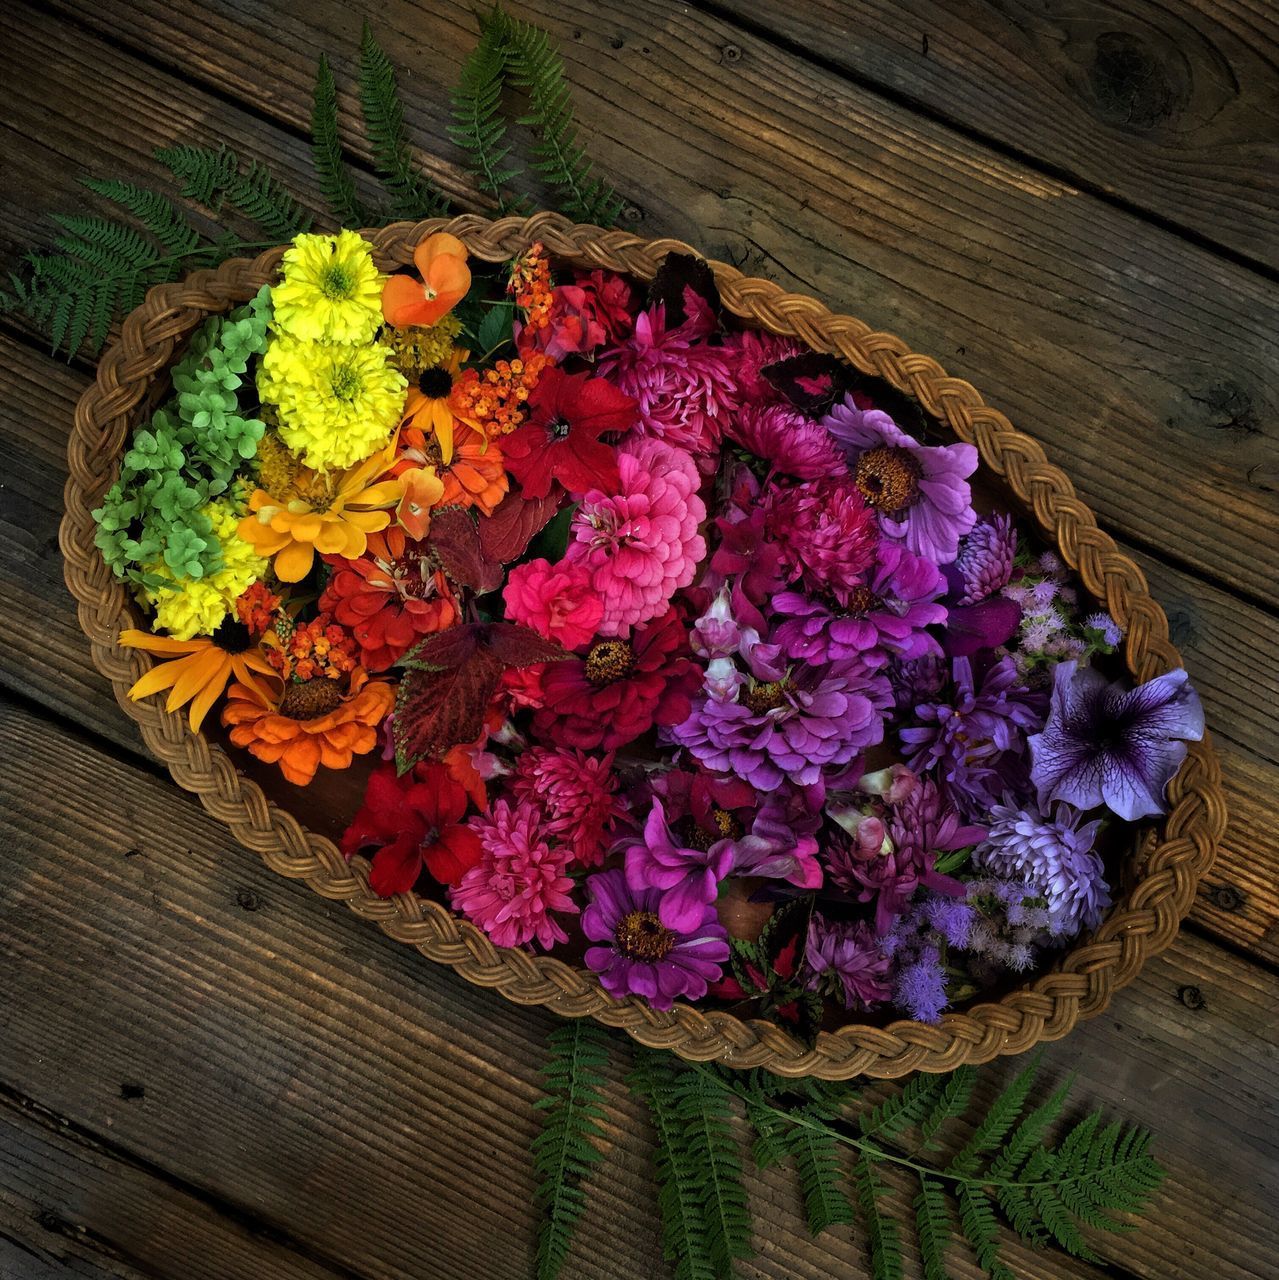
(517, 646)
(505, 535)
(456, 541)
(445, 650)
(437, 710)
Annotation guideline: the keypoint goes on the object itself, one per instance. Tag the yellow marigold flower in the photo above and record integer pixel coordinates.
(331, 291)
(199, 606)
(330, 513)
(335, 404)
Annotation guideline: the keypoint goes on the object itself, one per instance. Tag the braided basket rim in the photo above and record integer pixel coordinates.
(1143, 922)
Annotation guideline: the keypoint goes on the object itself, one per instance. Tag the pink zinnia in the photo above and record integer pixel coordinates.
(641, 545)
(556, 600)
(827, 534)
(686, 390)
(751, 350)
(577, 794)
(783, 437)
(520, 880)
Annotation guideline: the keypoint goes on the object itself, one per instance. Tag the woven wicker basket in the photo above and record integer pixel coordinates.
(1160, 880)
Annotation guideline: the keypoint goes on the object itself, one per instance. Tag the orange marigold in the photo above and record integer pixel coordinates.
(314, 723)
(496, 398)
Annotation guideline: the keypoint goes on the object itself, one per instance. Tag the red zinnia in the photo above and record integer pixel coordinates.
(620, 689)
(567, 414)
(416, 821)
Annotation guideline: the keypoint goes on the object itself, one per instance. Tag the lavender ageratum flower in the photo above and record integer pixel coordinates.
(789, 729)
(919, 987)
(641, 956)
(985, 561)
(689, 878)
(1053, 856)
(921, 494)
(885, 616)
(977, 737)
(782, 841)
(844, 961)
(1107, 745)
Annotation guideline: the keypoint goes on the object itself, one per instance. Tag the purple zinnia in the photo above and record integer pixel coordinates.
(1053, 855)
(1107, 745)
(785, 439)
(886, 615)
(921, 494)
(985, 561)
(844, 960)
(641, 955)
(689, 878)
(977, 737)
(789, 729)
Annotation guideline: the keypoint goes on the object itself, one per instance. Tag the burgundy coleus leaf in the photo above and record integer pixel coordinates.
(516, 520)
(455, 540)
(445, 650)
(437, 710)
(519, 646)
(685, 286)
(811, 382)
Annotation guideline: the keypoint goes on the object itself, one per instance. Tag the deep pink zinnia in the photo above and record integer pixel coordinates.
(576, 793)
(751, 351)
(556, 600)
(783, 437)
(521, 878)
(640, 545)
(685, 389)
(827, 533)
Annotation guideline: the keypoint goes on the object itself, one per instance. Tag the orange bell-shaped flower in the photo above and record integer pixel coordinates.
(441, 262)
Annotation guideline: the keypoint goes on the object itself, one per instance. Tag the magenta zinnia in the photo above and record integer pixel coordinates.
(576, 793)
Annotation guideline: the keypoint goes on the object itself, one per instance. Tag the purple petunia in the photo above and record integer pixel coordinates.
(921, 494)
(688, 878)
(641, 956)
(843, 960)
(1107, 745)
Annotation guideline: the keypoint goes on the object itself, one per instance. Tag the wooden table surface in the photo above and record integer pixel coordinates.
(209, 1072)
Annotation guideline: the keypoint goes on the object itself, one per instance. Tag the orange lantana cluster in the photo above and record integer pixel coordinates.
(531, 286)
(496, 397)
(316, 650)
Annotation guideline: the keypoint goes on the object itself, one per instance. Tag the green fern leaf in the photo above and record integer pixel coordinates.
(949, 1103)
(1028, 1135)
(977, 1220)
(214, 179)
(994, 1127)
(158, 215)
(932, 1224)
(817, 1162)
(479, 126)
(881, 1232)
(1057, 1221)
(413, 195)
(336, 183)
(564, 1152)
(907, 1107)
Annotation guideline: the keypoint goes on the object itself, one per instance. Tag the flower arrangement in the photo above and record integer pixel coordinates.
(664, 644)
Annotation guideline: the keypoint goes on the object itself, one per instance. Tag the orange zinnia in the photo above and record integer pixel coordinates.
(332, 514)
(441, 262)
(474, 477)
(314, 723)
(200, 668)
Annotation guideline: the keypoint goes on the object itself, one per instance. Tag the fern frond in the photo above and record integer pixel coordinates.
(557, 155)
(908, 1107)
(1028, 1135)
(950, 1103)
(816, 1156)
(158, 215)
(881, 1232)
(996, 1123)
(214, 178)
(413, 195)
(336, 183)
(1058, 1223)
(479, 126)
(981, 1230)
(932, 1227)
(563, 1152)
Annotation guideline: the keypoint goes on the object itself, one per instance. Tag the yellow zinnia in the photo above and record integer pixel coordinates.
(330, 291)
(328, 513)
(335, 404)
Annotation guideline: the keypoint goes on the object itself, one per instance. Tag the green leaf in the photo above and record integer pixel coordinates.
(977, 1219)
(214, 179)
(996, 1123)
(1028, 1135)
(951, 1102)
(496, 330)
(816, 1156)
(413, 195)
(902, 1109)
(158, 215)
(336, 183)
(932, 1225)
(882, 1234)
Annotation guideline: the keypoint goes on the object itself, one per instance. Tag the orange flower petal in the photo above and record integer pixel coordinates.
(134, 639)
(441, 243)
(293, 562)
(403, 298)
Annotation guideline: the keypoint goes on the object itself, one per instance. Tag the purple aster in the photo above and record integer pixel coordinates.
(785, 439)
(788, 729)
(1053, 856)
(977, 736)
(886, 615)
(919, 987)
(844, 961)
(921, 494)
(641, 956)
(689, 878)
(1107, 745)
(985, 561)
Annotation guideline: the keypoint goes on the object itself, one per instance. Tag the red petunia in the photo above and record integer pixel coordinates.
(560, 440)
(414, 821)
(620, 689)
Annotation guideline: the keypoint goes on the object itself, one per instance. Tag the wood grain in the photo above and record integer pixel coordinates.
(1168, 105)
(1104, 337)
(380, 1108)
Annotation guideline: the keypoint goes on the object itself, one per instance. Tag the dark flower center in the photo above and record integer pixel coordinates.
(766, 697)
(311, 699)
(413, 577)
(861, 600)
(728, 826)
(233, 636)
(608, 661)
(558, 428)
(435, 383)
(642, 936)
(888, 478)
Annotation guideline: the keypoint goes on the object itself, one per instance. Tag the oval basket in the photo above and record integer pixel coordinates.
(1160, 879)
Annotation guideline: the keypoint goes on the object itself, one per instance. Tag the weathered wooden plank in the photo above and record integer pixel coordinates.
(65, 1192)
(22, 1261)
(1169, 106)
(1110, 340)
(380, 1109)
